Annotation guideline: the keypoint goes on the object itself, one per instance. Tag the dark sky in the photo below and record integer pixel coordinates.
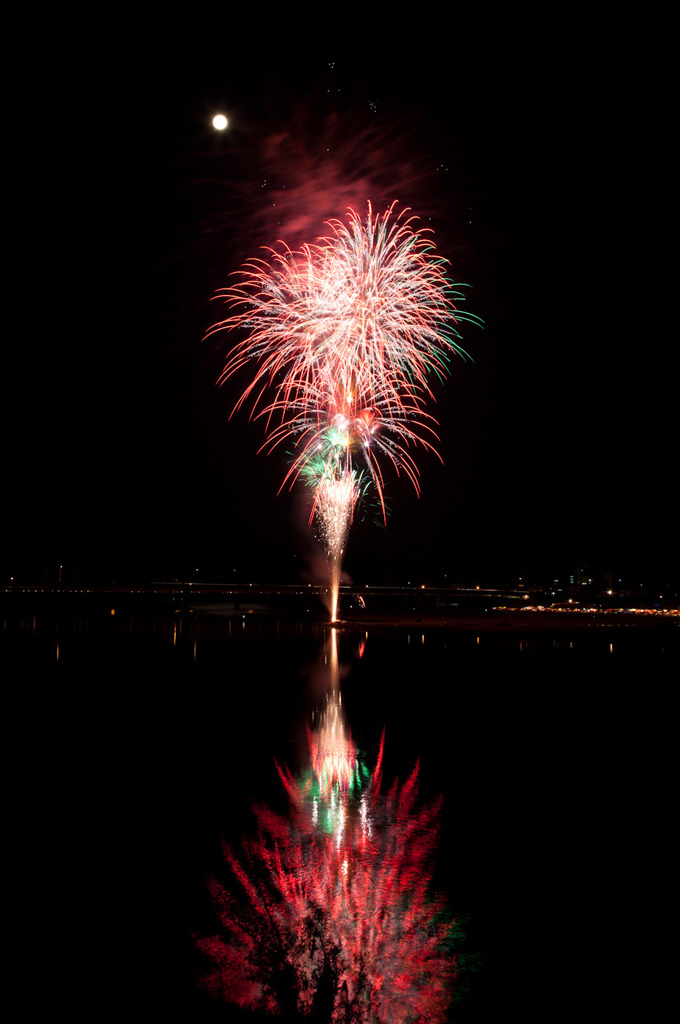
(557, 439)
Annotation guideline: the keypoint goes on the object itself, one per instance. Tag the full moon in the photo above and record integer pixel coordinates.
(220, 122)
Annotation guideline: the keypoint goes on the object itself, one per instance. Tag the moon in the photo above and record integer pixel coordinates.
(220, 122)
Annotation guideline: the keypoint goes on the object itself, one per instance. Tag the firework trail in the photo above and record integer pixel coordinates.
(345, 337)
(330, 914)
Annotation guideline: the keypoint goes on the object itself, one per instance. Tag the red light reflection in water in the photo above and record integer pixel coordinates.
(331, 914)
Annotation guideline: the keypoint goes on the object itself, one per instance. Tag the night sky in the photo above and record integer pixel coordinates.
(557, 438)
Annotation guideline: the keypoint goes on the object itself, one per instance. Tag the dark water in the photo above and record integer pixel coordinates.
(138, 739)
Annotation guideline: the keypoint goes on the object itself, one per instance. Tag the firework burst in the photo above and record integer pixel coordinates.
(345, 337)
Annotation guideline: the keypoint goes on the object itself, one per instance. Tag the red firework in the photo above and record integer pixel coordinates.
(345, 336)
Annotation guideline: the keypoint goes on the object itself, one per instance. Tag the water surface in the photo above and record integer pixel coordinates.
(140, 736)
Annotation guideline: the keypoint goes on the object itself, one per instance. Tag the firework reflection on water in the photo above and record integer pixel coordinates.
(329, 913)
